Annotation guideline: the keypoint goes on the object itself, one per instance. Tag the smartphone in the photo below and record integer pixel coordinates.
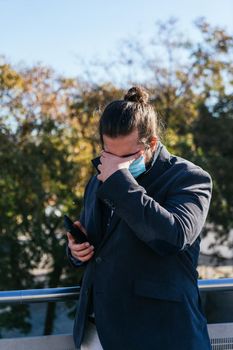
(78, 235)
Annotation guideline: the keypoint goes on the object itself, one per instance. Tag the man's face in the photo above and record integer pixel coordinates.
(123, 146)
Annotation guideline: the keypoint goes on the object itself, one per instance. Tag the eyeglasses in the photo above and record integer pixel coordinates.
(125, 155)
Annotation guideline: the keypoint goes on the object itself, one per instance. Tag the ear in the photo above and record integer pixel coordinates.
(153, 143)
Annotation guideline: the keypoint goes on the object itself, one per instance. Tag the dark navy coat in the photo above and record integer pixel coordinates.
(143, 275)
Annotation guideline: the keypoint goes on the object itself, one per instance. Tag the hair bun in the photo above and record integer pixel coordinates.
(137, 94)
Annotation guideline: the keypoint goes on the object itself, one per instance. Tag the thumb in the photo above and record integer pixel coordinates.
(80, 226)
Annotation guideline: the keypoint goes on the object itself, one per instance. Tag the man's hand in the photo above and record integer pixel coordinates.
(111, 163)
(82, 252)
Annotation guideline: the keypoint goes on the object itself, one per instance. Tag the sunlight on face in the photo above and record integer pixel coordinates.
(126, 145)
(122, 146)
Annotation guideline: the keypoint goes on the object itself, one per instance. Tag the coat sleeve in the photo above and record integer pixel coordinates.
(166, 229)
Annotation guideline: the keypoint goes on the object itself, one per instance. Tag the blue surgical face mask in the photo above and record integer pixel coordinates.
(137, 167)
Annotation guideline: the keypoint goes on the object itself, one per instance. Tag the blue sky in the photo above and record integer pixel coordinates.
(55, 32)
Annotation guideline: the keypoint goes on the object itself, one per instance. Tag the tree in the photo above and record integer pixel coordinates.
(38, 178)
(213, 139)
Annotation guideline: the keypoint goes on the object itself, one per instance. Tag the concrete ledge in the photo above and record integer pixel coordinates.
(50, 342)
(221, 335)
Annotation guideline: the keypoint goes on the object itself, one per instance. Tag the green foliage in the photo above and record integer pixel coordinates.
(213, 135)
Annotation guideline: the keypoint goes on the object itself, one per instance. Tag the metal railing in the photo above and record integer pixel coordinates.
(215, 285)
(39, 295)
(61, 294)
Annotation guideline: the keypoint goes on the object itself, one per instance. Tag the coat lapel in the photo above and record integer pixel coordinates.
(94, 227)
(114, 222)
(97, 213)
(161, 164)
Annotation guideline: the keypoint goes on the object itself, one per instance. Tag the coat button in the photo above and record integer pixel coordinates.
(109, 203)
(98, 260)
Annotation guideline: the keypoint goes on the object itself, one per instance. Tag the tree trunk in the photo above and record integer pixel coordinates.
(51, 306)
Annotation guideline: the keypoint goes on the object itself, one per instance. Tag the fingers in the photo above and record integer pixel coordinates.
(99, 177)
(103, 156)
(99, 167)
(82, 252)
(107, 155)
(83, 258)
(87, 257)
(74, 246)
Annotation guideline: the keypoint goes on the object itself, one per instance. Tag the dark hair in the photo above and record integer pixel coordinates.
(121, 117)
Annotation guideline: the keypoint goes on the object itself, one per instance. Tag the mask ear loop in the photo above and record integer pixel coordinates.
(146, 147)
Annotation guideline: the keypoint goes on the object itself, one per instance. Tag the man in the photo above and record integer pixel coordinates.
(143, 214)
